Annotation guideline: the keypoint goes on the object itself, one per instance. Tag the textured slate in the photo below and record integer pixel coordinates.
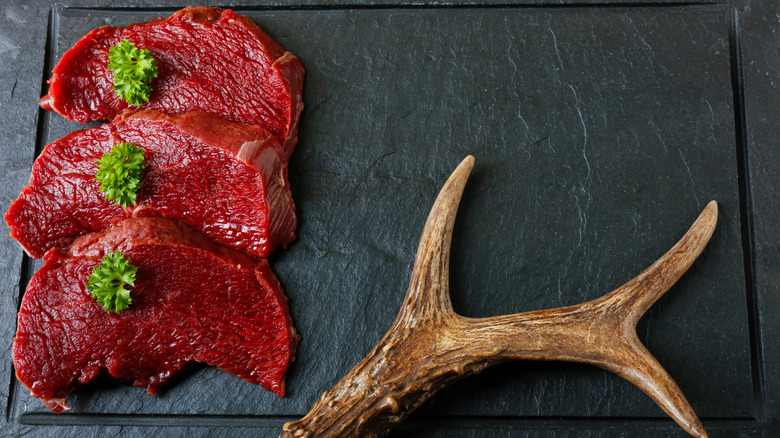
(599, 133)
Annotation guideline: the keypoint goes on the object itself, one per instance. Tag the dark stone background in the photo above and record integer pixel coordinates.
(599, 131)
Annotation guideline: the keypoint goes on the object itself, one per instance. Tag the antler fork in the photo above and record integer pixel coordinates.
(430, 346)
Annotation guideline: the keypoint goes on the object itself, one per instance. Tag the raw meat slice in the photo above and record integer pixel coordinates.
(193, 300)
(224, 178)
(207, 59)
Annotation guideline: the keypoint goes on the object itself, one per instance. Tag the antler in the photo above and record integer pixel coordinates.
(430, 346)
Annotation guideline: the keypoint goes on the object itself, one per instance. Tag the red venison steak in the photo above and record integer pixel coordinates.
(207, 60)
(192, 301)
(227, 179)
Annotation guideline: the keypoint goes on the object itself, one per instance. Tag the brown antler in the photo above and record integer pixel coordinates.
(430, 346)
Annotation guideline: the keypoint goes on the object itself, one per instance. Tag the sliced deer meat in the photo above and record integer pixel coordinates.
(193, 300)
(208, 59)
(227, 179)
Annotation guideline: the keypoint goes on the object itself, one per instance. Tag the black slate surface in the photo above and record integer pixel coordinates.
(600, 131)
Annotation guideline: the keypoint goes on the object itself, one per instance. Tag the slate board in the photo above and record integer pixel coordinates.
(599, 131)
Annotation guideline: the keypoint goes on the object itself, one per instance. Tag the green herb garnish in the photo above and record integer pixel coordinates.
(109, 280)
(119, 173)
(134, 70)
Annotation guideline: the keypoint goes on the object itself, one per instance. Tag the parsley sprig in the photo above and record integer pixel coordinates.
(134, 70)
(109, 281)
(119, 173)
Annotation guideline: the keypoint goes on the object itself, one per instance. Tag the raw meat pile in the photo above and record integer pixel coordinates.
(217, 133)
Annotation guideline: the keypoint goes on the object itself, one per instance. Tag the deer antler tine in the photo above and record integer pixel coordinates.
(645, 289)
(635, 364)
(428, 295)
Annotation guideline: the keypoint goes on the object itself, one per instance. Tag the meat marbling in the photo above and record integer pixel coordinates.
(193, 300)
(224, 178)
(207, 59)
